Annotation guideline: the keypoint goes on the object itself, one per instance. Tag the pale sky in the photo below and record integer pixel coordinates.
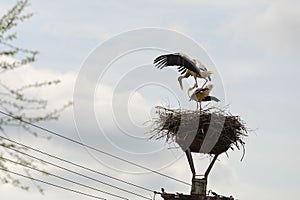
(252, 46)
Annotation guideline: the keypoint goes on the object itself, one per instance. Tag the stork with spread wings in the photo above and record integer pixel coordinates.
(186, 66)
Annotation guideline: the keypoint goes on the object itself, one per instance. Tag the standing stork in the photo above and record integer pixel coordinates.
(201, 94)
(186, 66)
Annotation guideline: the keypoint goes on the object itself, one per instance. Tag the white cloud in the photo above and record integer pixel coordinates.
(59, 147)
(76, 29)
(234, 71)
(56, 95)
(271, 26)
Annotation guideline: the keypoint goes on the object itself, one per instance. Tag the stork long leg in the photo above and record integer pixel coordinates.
(204, 83)
(196, 83)
(195, 86)
(186, 75)
(180, 81)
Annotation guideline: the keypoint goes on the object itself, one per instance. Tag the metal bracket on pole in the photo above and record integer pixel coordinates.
(190, 160)
(211, 165)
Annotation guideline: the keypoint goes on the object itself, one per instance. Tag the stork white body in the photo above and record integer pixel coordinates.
(199, 94)
(204, 75)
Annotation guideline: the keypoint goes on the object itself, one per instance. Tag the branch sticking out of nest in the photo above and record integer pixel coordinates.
(213, 131)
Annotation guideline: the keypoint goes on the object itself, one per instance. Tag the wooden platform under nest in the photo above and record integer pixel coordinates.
(211, 131)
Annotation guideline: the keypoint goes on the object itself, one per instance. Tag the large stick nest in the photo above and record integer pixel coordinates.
(216, 127)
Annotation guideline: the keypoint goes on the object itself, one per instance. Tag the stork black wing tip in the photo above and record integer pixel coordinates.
(215, 99)
(211, 98)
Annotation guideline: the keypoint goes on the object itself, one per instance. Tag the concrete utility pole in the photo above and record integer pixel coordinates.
(199, 185)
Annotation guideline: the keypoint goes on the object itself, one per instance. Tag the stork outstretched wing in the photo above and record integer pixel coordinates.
(183, 62)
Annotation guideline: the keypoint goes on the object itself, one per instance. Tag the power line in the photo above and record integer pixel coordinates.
(54, 185)
(92, 148)
(82, 175)
(69, 162)
(64, 179)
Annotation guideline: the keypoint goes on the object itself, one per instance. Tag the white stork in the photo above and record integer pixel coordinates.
(186, 66)
(201, 94)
